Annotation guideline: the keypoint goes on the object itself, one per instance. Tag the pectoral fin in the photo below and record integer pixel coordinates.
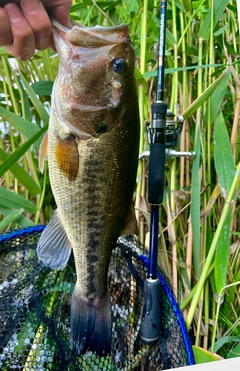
(43, 152)
(53, 247)
(67, 157)
(131, 226)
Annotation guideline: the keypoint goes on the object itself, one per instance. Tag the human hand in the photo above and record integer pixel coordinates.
(25, 24)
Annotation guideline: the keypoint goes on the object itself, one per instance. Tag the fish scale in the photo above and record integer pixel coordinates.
(93, 141)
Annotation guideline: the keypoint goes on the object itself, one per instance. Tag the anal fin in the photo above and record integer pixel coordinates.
(53, 247)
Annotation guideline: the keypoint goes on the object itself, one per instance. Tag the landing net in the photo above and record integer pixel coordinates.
(35, 312)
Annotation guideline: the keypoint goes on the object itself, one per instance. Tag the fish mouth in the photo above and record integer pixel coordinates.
(90, 88)
(90, 37)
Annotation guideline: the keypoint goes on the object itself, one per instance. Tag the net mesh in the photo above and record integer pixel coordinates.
(35, 312)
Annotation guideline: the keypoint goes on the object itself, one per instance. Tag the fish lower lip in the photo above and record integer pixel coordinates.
(93, 108)
(89, 108)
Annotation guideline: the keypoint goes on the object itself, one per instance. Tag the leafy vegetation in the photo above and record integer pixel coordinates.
(199, 240)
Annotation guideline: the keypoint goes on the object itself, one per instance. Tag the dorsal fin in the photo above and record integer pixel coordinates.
(131, 226)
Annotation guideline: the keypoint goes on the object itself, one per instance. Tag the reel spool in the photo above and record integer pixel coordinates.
(172, 133)
(35, 312)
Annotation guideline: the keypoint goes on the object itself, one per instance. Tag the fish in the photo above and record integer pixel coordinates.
(92, 149)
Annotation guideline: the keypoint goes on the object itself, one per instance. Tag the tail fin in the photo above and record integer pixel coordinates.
(91, 327)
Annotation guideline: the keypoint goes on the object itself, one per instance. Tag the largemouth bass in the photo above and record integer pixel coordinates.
(92, 153)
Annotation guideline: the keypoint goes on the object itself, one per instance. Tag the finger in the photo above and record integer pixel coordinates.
(6, 36)
(60, 11)
(62, 16)
(4, 2)
(23, 44)
(39, 21)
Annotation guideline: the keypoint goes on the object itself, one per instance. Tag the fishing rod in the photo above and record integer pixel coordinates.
(163, 134)
(151, 321)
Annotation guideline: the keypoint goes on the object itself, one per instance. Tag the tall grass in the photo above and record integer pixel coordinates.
(199, 233)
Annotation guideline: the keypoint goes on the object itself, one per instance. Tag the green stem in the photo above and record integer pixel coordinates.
(7, 175)
(184, 104)
(219, 302)
(48, 64)
(199, 320)
(209, 115)
(190, 22)
(10, 85)
(39, 206)
(227, 207)
(14, 105)
(188, 299)
(141, 95)
(206, 314)
(174, 102)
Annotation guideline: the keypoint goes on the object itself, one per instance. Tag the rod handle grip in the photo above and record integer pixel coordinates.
(151, 318)
(156, 173)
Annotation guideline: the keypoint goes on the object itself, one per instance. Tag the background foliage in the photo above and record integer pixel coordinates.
(199, 233)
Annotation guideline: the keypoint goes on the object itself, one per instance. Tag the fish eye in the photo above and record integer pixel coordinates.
(119, 65)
